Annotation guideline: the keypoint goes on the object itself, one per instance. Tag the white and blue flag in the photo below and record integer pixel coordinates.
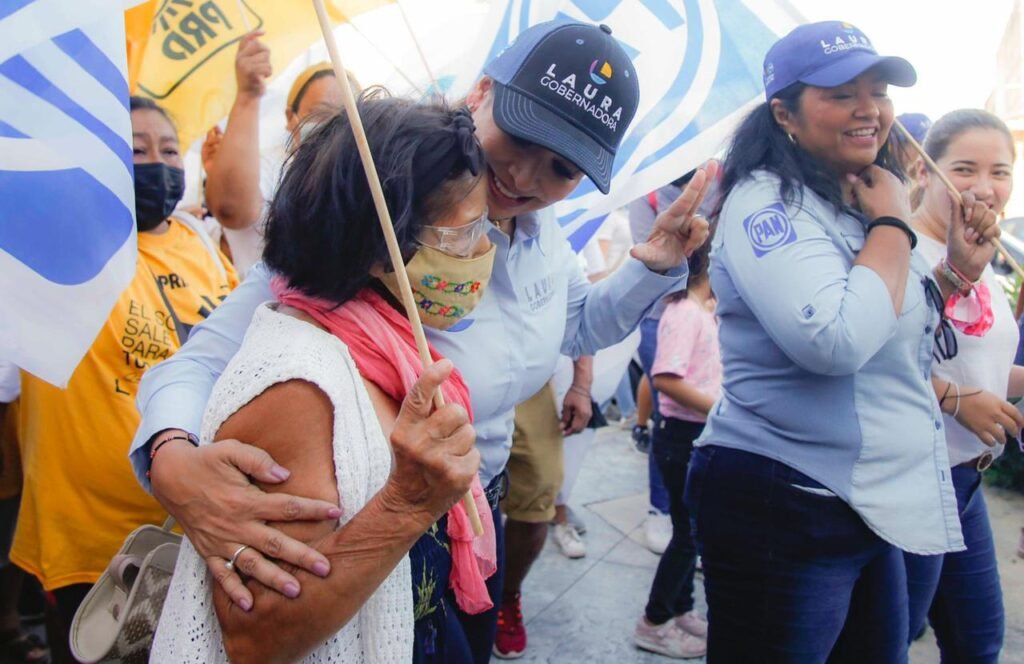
(67, 207)
(699, 63)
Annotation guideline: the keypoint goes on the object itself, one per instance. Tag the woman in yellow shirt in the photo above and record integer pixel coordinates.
(80, 498)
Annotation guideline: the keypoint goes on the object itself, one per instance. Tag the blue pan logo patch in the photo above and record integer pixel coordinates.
(768, 229)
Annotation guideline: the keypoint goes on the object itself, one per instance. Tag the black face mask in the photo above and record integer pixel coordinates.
(158, 188)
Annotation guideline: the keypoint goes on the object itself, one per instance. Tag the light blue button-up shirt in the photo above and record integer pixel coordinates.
(537, 306)
(819, 372)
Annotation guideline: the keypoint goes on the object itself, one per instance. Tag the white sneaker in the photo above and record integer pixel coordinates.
(568, 541)
(657, 531)
(579, 524)
(669, 640)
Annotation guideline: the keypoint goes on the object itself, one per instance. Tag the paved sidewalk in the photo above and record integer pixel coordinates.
(585, 610)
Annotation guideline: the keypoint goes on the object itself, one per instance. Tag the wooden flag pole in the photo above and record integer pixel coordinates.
(385, 221)
(419, 49)
(934, 168)
(245, 17)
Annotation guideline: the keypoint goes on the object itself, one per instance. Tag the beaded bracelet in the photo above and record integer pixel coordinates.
(189, 438)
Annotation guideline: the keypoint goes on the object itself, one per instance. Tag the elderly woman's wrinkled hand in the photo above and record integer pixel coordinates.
(679, 230)
(435, 456)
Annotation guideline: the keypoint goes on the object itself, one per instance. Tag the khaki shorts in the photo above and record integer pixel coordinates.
(535, 467)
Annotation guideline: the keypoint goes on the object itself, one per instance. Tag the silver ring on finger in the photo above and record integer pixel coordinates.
(234, 557)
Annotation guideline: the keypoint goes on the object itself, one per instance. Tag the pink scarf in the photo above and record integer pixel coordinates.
(381, 343)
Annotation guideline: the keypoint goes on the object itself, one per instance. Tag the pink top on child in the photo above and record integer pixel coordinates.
(688, 348)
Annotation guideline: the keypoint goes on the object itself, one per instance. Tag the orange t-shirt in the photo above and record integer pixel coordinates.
(80, 497)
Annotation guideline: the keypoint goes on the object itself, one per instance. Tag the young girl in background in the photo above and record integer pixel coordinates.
(687, 374)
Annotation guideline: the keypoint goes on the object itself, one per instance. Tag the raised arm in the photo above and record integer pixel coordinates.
(602, 314)
(886, 250)
(827, 317)
(233, 181)
(435, 461)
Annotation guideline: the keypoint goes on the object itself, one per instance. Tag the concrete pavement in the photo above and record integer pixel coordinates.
(585, 610)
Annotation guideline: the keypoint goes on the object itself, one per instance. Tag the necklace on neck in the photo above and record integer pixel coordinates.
(500, 225)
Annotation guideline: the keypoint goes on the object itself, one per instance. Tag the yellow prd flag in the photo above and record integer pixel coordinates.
(137, 22)
(188, 64)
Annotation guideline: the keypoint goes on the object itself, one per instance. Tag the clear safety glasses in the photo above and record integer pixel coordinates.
(454, 240)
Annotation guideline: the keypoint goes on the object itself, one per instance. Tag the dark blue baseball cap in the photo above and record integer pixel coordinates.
(828, 54)
(569, 87)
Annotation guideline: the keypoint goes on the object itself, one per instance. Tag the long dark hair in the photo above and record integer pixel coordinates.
(761, 144)
(322, 229)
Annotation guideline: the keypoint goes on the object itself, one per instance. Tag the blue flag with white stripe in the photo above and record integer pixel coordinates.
(699, 64)
(67, 208)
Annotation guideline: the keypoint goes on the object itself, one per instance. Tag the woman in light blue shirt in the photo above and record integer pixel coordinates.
(826, 453)
(537, 304)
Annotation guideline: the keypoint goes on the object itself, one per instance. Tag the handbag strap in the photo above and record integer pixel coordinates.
(197, 227)
(169, 524)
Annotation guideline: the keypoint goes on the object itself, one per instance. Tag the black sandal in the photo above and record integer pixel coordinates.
(23, 647)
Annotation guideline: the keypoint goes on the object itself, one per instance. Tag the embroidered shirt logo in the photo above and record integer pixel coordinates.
(539, 293)
(768, 229)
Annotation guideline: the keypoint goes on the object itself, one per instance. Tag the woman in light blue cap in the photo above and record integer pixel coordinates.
(826, 454)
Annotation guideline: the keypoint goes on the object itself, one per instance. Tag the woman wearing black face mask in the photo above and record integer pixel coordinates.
(79, 500)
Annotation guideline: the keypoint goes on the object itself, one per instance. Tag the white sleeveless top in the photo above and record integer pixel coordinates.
(278, 348)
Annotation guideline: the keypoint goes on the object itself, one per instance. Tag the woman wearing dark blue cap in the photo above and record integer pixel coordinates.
(552, 109)
(825, 455)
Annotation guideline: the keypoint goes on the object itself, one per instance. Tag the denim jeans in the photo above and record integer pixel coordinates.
(624, 396)
(961, 589)
(791, 572)
(648, 347)
(1019, 359)
(672, 590)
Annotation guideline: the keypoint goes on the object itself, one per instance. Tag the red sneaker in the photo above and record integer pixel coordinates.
(510, 642)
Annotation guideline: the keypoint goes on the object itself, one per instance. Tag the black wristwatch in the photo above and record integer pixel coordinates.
(895, 223)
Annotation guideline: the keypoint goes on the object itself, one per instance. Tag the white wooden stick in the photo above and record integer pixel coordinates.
(934, 168)
(419, 49)
(245, 17)
(394, 252)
